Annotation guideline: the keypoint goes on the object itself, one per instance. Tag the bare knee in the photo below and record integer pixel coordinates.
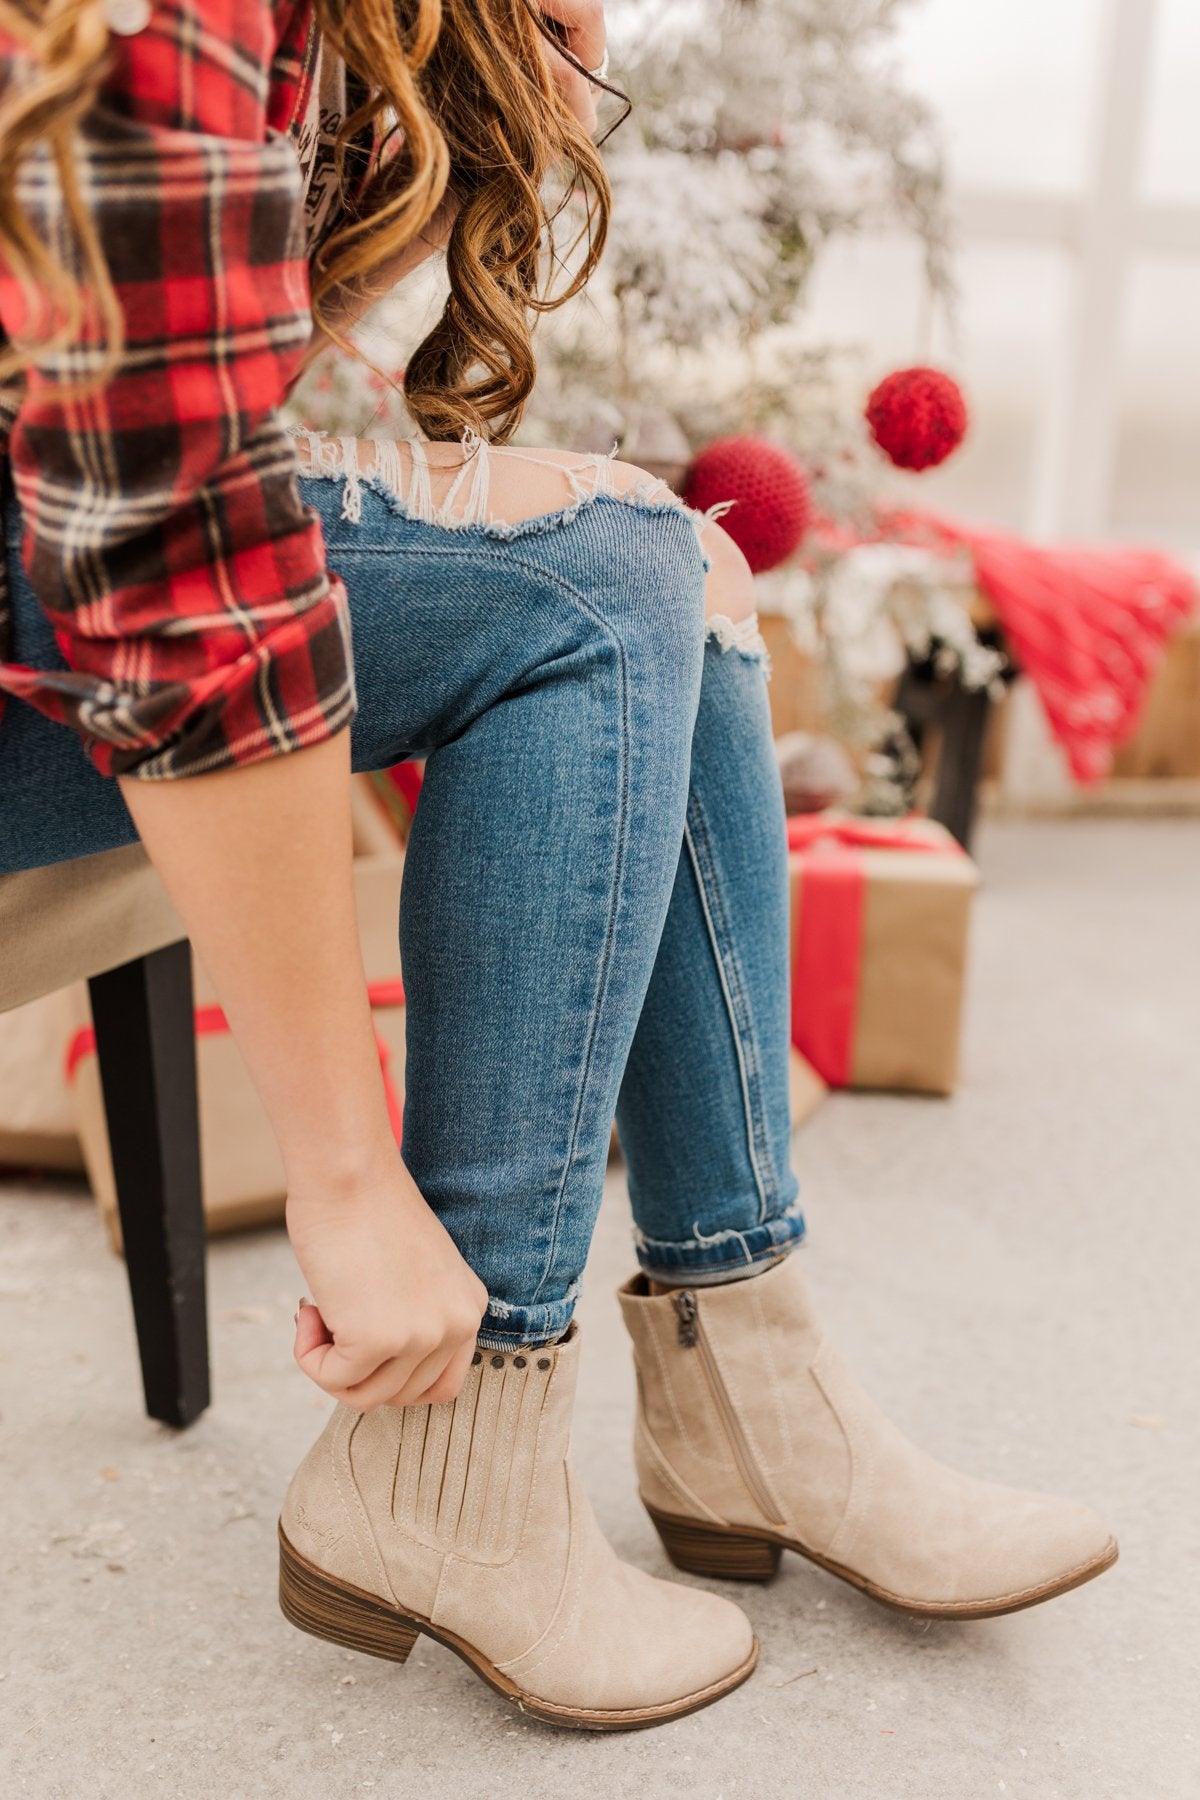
(730, 587)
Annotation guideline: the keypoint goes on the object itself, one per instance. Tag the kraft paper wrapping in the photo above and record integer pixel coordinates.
(37, 1119)
(241, 1167)
(911, 958)
(242, 1174)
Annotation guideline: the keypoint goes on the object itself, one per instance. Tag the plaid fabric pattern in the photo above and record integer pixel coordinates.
(164, 532)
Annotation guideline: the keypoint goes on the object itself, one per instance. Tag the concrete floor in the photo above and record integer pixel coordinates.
(1013, 1272)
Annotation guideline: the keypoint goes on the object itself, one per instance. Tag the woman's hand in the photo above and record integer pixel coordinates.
(580, 25)
(395, 1308)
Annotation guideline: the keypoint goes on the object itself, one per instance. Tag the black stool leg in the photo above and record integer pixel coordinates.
(146, 1046)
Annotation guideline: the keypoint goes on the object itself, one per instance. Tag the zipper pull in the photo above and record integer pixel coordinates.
(684, 1302)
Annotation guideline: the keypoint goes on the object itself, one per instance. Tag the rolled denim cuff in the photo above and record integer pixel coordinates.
(726, 1255)
(506, 1327)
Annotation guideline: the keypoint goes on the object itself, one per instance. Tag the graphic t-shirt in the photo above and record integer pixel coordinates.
(315, 137)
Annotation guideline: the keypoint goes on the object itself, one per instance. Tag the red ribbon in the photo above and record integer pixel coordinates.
(827, 953)
(211, 1022)
(812, 829)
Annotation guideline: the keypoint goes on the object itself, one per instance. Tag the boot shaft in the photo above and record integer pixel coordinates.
(728, 1390)
(460, 1478)
(460, 1475)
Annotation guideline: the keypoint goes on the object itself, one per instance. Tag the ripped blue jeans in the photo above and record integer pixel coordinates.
(594, 908)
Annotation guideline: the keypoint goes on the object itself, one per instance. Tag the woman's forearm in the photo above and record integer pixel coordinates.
(258, 864)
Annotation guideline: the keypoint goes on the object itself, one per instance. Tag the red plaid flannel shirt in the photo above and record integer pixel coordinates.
(165, 536)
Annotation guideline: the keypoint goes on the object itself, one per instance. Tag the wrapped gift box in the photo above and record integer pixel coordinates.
(240, 1163)
(37, 1116)
(880, 916)
(395, 792)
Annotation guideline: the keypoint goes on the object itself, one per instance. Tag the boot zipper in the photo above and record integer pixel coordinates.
(692, 1336)
(685, 1309)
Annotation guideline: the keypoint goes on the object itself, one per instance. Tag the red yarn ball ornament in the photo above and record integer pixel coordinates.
(918, 417)
(773, 507)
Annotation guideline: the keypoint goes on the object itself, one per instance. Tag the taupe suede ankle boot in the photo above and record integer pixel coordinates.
(467, 1522)
(752, 1437)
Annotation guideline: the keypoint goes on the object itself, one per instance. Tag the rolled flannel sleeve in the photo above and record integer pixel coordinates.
(165, 535)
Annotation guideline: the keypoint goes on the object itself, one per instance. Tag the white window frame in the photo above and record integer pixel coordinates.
(1103, 230)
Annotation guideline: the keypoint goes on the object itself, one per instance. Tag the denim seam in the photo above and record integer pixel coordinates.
(504, 1309)
(606, 958)
(773, 1247)
(733, 989)
(518, 1340)
(346, 552)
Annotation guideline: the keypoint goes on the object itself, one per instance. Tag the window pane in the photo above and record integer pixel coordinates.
(1157, 486)
(1012, 81)
(870, 293)
(1171, 169)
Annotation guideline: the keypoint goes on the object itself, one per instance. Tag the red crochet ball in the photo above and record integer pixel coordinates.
(918, 417)
(772, 506)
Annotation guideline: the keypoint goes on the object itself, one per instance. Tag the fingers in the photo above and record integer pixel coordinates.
(437, 1379)
(336, 1372)
(427, 1372)
(311, 1331)
(583, 28)
(448, 1385)
(420, 1375)
(405, 1380)
(398, 1382)
(390, 1379)
(402, 1381)
(330, 1366)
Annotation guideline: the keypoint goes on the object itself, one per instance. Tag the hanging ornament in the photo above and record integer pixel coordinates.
(766, 491)
(918, 417)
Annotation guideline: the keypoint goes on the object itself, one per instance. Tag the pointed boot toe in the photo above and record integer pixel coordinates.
(640, 1649)
(1024, 1548)
(930, 1540)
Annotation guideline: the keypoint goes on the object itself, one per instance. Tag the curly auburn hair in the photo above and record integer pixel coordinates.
(453, 98)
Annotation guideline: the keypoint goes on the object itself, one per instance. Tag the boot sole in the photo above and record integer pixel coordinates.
(747, 1554)
(332, 1609)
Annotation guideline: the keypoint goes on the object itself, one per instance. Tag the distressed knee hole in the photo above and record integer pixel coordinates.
(742, 635)
(730, 588)
(731, 603)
